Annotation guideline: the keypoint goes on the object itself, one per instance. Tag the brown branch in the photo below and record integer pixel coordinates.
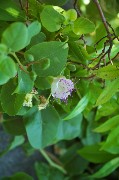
(111, 36)
(79, 15)
(77, 9)
(82, 38)
(102, 15)
(31, 63)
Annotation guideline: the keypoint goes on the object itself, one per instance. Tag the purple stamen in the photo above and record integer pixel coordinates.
(61, 88)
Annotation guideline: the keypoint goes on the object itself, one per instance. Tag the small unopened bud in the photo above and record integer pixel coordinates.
(44, 103)
(28, 100)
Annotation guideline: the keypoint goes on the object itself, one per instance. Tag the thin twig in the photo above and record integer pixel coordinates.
(20, 64)
(110, 37)
(98, 42)
(102, 15)
(79, 15)
(31, 63)
(82, 38)
(77, 9)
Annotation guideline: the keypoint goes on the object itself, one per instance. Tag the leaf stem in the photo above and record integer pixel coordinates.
(36, 98)
(20, 64)
(45, 155)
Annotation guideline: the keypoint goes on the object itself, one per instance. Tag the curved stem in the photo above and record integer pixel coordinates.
(20, 64)
(49, 97)
(51, 162)
(36, 98)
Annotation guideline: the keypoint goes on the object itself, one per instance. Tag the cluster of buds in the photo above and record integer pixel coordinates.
(44, 103)
(28, 98)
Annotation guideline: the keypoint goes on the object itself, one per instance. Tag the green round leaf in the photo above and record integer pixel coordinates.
(51, 19)
(15, 36)
(11, 103)
(41, 126)
(8, 69)
(83, 26)
(3, 49)
(55, 51)
(70, 15)
(33, 29)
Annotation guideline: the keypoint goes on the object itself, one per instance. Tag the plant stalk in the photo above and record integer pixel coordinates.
(51, 162)
(20, 64)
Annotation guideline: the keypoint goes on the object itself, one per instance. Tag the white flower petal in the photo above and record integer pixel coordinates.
(61, 88)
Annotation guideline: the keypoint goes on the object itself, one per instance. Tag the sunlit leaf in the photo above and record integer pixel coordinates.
(79, 108)
(107, 169)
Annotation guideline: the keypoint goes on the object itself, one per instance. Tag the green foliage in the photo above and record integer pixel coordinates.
(107, 168)
(20, 175)
(15, 36)
(33, 29)
(108, 92)
(8, 69)
(111, 143)
(77, 53)
(83, 26)
(70, 15)
(25, 83)
(10, 11)
(57, 89)
(42, 83)
(57, 57)
(69, 129)
(108, 125)
(40, 131)
(45, 172)
(93, 154)
(18, 127)
(108, 72)
(11, 103)
(79, 108)
(51, 19)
